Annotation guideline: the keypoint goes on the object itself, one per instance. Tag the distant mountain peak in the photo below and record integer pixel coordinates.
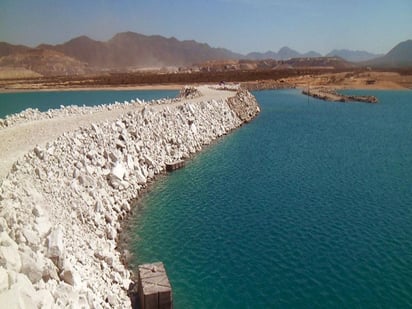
(81, 39)
(128, 51)
(402, 50)
(285, 49)
(131, 50)
(399, 56)
(352, 55)
(284, 53)
(128, 35)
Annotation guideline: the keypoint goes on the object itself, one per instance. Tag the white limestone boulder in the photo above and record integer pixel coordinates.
(4, 279)
(111, 232)
(70, 276)
(140, 178)
(33, 239)
(42, 226)
(3, 225)
(49, 271)
(31, 265)
(9, 254)
(55, 246)
(117, 175)
(44, 299)
(6, 241)
(20, 295)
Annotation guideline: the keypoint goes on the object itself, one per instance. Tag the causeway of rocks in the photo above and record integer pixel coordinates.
(62, 202)
(332, 95)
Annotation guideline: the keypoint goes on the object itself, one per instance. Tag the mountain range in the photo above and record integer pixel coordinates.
(399, 56)
(284, 53)
(128, 51)
(353, 55)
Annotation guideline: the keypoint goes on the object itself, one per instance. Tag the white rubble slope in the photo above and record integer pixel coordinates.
(62, 203)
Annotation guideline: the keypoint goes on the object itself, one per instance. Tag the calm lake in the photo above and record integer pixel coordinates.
(309, 205)
(11, 103)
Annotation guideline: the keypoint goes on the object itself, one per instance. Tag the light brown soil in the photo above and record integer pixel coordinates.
(353, 80)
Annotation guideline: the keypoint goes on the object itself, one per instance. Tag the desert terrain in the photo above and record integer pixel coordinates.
(251, 79)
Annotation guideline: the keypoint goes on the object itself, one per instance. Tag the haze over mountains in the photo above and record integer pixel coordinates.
(287, 53)
(399, 56)
(130, 51)
(283, 54)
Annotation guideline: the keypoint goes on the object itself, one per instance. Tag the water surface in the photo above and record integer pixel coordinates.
(11, 103)
(309, 205)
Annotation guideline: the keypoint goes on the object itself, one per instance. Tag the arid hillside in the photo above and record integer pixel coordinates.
(130, 52)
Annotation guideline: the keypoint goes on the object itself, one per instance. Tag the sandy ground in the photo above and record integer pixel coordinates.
(353, 80)
(19, 139)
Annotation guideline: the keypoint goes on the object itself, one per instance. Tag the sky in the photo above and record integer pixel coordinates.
(242, 26)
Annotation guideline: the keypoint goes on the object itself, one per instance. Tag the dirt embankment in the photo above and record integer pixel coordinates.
(355, 80)
(251, 79)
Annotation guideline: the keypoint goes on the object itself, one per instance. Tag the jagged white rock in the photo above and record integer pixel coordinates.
(60, 206)
(4, 280)
(55, 247)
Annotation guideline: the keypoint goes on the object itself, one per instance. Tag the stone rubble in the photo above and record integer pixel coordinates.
(31, 114)
(189, 92)
(62, 204)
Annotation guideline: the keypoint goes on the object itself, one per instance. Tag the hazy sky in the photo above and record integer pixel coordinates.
(240, 25)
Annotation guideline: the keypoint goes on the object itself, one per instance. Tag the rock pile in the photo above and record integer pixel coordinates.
(244, 105)
(189, 93)
(31, 114)
(62, 204)
(267, 84)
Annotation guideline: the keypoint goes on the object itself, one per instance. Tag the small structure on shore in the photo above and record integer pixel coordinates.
(170, 167)
(155, 290)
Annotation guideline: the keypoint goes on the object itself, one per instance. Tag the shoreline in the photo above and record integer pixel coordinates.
(178, 87)
(97, 88)
(83, 183)
(350, 79)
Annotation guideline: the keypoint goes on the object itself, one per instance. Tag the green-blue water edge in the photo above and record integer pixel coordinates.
(309, 205)
(15, 102)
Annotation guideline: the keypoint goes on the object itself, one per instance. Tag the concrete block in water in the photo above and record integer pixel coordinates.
(174, 165)
(155, 290)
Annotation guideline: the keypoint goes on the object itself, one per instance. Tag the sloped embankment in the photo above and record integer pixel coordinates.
(62, 204)
(244, 105)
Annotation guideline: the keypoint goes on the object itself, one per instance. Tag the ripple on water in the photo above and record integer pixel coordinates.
(307, 206)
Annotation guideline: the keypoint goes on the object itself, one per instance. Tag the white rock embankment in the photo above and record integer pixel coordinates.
(61, 204)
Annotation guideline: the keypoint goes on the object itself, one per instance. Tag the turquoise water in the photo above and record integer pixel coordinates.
(11, 103)
(309, 205)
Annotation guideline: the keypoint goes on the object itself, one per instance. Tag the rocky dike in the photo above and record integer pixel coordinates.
(333, 96)
(61, 205)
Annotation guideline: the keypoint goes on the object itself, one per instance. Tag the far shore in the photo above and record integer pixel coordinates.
(178, 87)
(97, 88)
(253, 80)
